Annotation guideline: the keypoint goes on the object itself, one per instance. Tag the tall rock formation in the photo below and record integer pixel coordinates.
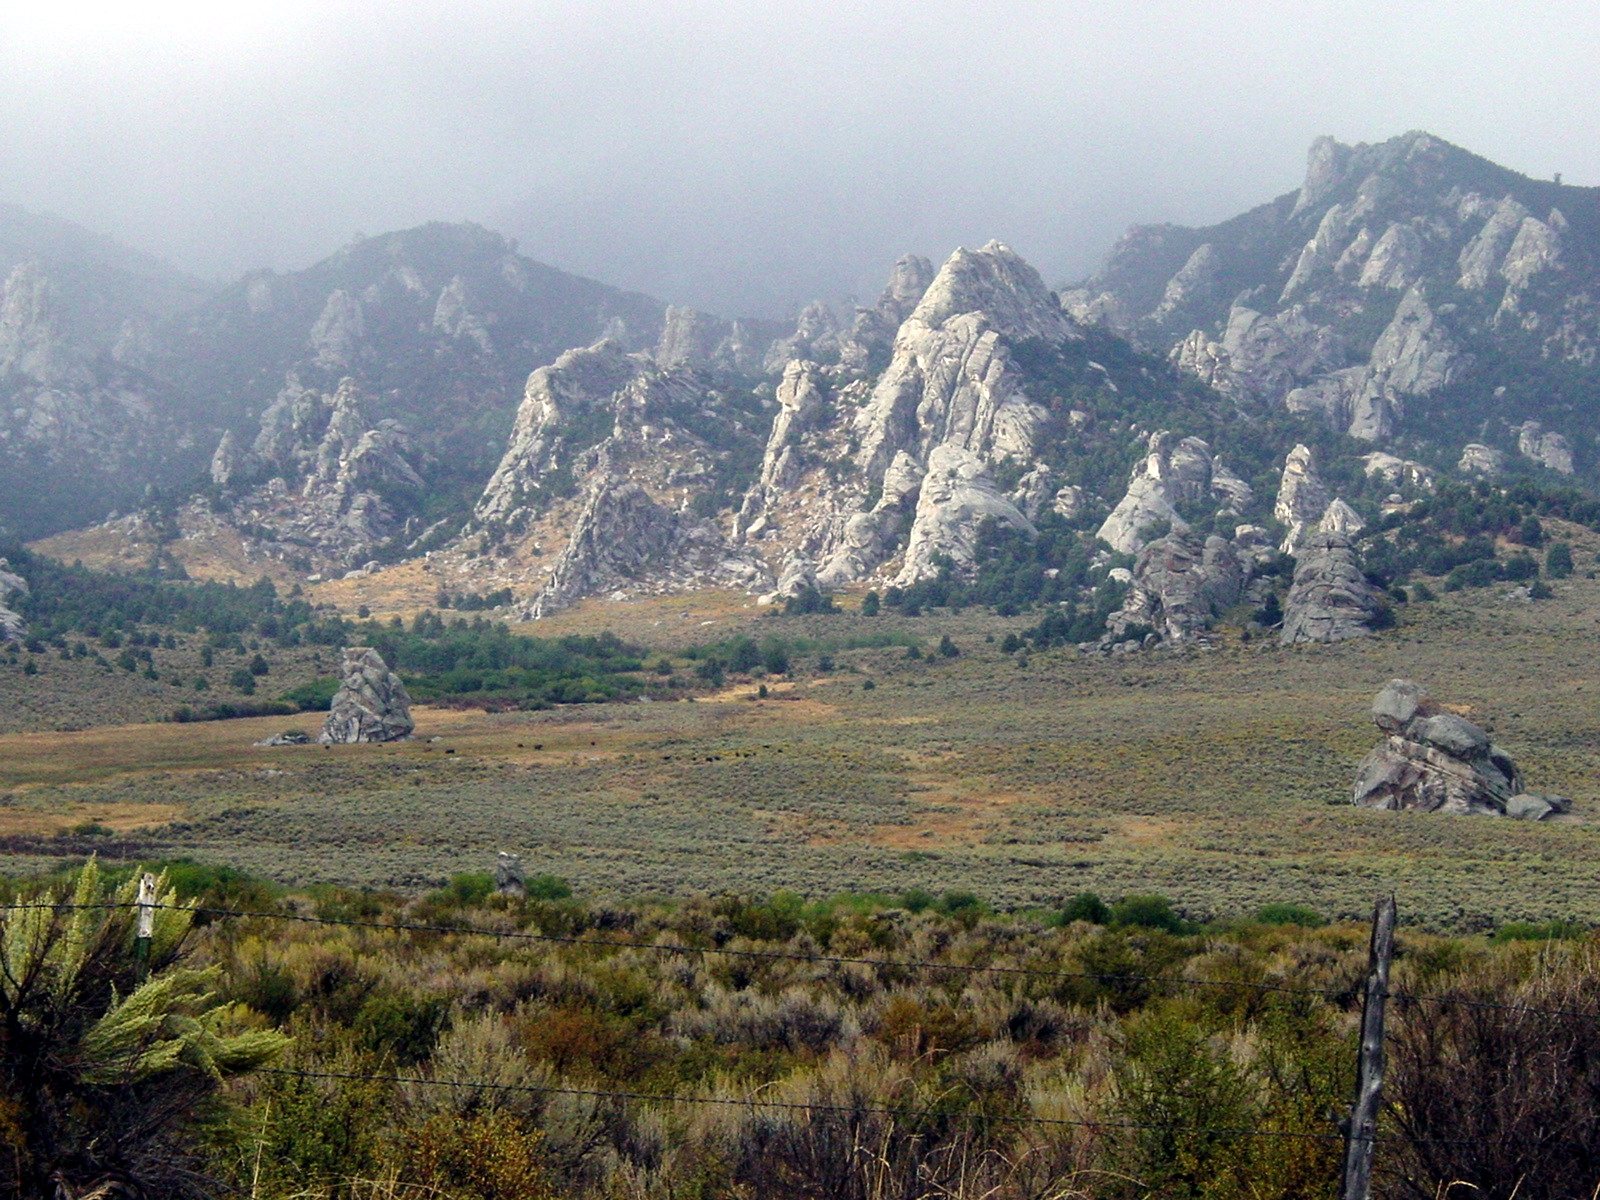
(1181, 584)
(625, 542)
(1330, 599)
(621, 453)
(1302, 497)
(371, 705)
(1177, 472)
(320, 479)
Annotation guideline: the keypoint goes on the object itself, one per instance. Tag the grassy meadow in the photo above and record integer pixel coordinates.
(1218, 775)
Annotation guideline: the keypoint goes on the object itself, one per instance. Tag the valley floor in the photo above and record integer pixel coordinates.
(1217, 776)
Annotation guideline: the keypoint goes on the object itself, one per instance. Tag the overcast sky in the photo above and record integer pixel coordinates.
(744, 157)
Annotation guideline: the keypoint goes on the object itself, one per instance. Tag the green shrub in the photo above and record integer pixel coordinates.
(548, 887)
(1086, 906)
(466, 889)
(1290, 914)
(1147, 911)
(1558, 560)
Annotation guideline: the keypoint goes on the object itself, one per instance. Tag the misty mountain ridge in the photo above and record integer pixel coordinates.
(1403, 285)
(1276, 383)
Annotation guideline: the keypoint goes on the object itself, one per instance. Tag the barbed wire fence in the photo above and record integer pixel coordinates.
(1357, 1130)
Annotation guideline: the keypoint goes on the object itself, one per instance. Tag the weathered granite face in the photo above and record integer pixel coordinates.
(1302, 497)
(1181, 584)
(625, 541)
(371, 705)
(1330, 599)
(957, 496)
(1478, 459)
(12, 626)
(1432, 760)
(1545, 447)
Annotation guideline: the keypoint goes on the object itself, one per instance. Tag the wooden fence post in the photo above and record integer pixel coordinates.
(1362, 1127)
(146, 926)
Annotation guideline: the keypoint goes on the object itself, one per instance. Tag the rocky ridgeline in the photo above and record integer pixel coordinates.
(1433, 760)
(371, 704)
(886, 480)
(1366, 292)
(12, 626)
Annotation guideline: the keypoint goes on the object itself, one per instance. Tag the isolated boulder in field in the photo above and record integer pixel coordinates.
(289, 737)
(371, 704)
(509, 879)
(1436, 761)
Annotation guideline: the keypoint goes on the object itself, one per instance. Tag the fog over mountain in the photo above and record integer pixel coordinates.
(745, 158)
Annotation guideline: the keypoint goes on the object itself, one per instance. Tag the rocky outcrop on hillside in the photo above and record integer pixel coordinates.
(1434, 760)
(1414, 356)
(867, 345)
(1181, 584)
(891, 479)
(690, 338)
(1302, 496)
(1478, 459)
(956, 498)
(624, 543)
(12, 585)
(371, 705)
(1399, 472)
(604, 435)
(321, 477)
(80, 431)
(1397, 272)
(859, 473)
(1330, 599)
(1550, 450)
(1260, 357)
(1177, 472)
(111, 383)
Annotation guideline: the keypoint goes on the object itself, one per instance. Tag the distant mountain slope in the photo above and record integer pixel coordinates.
(118, 375)
(84, 426)
(1409, 293)
(441, 324)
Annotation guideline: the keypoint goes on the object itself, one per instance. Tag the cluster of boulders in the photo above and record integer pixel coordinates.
(1434, 760)
(371, 705)
(1182, 582)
